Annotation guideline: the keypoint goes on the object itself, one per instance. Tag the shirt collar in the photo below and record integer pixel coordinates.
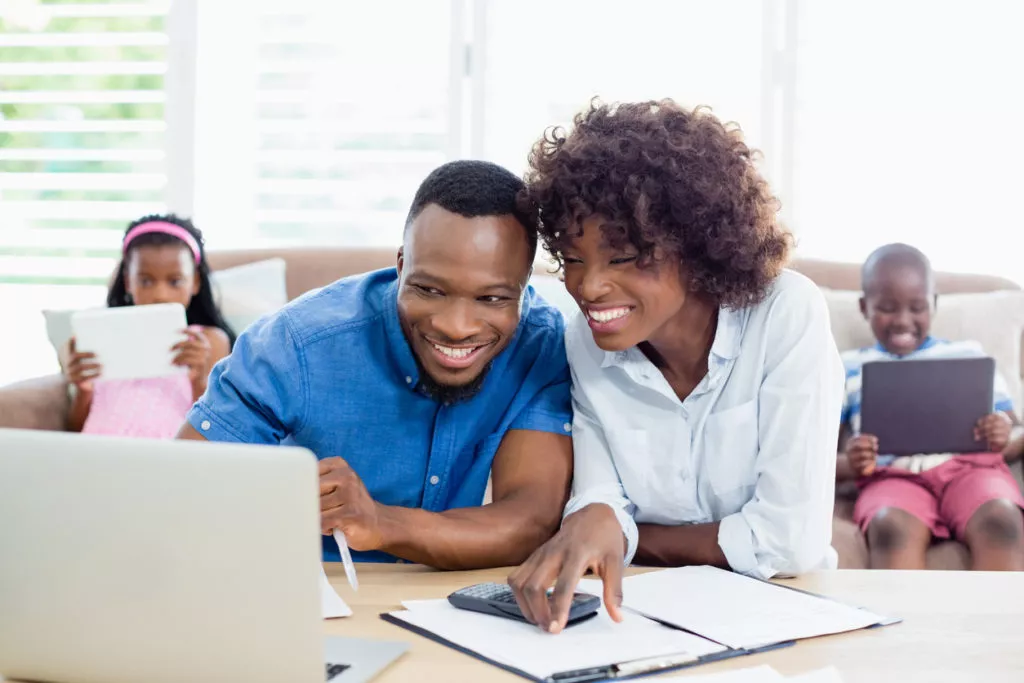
(725, 347)
(401, 353)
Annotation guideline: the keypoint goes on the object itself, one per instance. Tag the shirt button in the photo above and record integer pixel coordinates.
(567, 427)
(205, 425)
(408, 380)
(434, 479)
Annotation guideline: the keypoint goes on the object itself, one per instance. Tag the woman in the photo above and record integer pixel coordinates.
(707, 388)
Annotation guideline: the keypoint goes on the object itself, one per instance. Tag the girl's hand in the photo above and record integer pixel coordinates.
(194, 353)
(82, 368)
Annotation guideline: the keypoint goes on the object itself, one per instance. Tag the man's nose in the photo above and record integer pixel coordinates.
(457, 322)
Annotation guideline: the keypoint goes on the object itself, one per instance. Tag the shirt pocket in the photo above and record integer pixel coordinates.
(730, 455)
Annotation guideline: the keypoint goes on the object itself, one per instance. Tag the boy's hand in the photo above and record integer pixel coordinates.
(861, 452)
(994, 429)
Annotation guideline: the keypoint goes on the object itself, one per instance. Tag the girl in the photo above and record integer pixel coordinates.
(162, 262)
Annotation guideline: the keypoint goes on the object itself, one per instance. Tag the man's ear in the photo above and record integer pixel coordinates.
(863, 303)
(935, 302)
(401, 260)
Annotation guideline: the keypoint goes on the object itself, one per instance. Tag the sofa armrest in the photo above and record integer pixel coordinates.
(40, 403)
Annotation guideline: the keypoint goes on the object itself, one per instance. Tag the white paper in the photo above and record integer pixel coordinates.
(826, 675)
(736, 610)
(596, 642)
(757, 674)
(762, 674)
(330, 602)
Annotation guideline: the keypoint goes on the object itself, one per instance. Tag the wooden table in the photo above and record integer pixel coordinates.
(958, 626)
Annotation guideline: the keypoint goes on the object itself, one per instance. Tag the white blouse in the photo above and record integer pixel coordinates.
(753, 446)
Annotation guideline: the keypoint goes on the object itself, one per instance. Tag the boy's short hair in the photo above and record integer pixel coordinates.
(896, 254)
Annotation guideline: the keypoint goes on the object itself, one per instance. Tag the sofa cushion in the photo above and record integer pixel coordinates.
(247, 292)
(993, 319)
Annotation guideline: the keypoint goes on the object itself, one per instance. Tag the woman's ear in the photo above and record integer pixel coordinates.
(197, 282)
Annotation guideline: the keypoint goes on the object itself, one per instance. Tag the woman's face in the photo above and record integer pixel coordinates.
(624, 304)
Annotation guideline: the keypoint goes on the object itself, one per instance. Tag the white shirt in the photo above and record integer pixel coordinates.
(753, 446)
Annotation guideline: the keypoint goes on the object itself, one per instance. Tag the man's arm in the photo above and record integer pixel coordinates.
(530, 476)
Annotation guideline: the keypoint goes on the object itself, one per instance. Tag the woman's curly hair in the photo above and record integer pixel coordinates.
(666, 180)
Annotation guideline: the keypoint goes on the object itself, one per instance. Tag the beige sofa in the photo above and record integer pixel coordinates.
(42, 403)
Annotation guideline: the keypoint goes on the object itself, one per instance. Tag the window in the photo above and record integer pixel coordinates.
(546, 60)
(82, 140)
(906, 119)
(321, 131)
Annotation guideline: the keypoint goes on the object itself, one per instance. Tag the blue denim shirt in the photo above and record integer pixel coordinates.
(333, 372)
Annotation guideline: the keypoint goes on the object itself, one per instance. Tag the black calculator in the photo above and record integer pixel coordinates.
(497, 599)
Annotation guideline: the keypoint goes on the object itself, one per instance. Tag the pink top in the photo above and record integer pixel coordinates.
(152, 408)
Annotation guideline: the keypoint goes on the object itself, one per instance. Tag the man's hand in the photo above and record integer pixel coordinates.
(590, 539)
(994, 429)
(861, 452)
(82, 368)
(346, 504)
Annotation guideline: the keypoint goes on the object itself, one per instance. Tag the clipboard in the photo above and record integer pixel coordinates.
(615, 671)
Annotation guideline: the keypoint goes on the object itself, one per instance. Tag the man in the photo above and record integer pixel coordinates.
(412, 385)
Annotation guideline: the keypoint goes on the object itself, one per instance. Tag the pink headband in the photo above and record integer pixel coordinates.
(167, 229)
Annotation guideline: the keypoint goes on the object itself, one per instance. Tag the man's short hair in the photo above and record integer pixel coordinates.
(472, 189)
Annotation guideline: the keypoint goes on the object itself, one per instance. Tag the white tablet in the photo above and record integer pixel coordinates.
(132, 342)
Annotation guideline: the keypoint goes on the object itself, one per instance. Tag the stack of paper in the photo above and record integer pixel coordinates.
(763, 674)
(594, 643)
(735, 610)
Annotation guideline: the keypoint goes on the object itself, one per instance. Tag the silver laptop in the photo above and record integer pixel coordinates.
(125, 560)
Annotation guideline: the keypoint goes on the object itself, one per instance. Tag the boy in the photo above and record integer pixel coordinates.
(905, 502)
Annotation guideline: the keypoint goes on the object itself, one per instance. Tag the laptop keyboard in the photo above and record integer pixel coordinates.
(334, 669)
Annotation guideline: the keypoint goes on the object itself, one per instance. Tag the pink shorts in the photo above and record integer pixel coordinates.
(944, 497)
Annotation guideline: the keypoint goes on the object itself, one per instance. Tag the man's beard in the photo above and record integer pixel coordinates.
(450, 393)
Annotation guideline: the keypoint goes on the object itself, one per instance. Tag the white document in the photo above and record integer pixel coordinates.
(330, 602)
(735, 610)
(756, 674)
(827, 675)
(594, 643)
(762, 674)
(132, 342)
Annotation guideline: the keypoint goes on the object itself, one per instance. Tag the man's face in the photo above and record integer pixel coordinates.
(898, 304)
(461, 283)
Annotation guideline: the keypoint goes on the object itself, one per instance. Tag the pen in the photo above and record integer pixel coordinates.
(346, 558)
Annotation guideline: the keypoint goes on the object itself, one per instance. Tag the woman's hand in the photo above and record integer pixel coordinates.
(590, 539)
(82, 368)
